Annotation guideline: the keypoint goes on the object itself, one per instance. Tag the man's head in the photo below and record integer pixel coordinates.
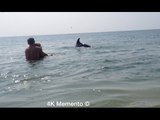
(31, 41)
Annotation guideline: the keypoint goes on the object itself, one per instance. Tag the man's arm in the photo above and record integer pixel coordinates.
(43, 54)
(38, 44)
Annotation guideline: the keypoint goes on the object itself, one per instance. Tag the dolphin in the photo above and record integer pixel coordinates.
(79, 44)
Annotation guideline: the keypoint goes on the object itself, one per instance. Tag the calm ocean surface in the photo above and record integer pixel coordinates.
(121, 69)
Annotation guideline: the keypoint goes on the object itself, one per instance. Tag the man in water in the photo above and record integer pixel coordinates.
(34, 51)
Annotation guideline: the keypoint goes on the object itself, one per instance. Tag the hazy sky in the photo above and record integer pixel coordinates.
(41, 23)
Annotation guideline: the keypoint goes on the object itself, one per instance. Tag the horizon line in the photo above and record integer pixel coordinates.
(80, 33)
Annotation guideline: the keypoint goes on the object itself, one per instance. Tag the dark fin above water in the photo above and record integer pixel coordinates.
(79, 44)
(85, 45)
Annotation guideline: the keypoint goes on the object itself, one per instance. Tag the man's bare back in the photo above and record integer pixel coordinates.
(34, 51)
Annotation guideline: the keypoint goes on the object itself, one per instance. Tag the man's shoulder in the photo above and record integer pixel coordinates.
(38, 48)
(27, 49)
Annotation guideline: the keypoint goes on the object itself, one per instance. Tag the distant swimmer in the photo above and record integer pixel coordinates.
(34, 51)
(79, 44)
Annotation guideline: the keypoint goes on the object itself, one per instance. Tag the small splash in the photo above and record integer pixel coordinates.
(15, 76)
(44, 78)
(4, 75)
(16, 81)
(9, 89)
(96, 90)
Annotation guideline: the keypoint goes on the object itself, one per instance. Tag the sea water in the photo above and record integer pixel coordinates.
(121, 69)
